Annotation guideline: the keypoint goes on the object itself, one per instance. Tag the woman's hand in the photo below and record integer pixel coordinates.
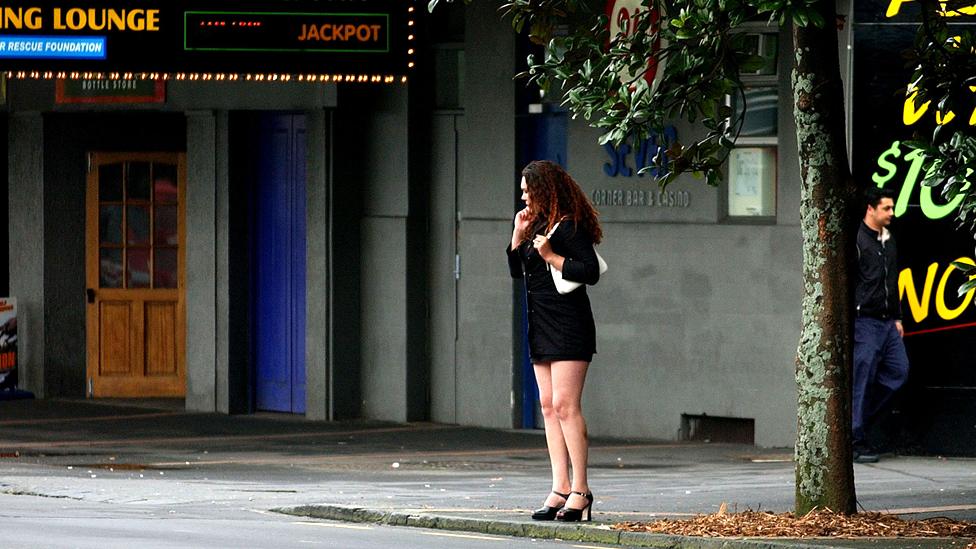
(542, 245)
(522, 220)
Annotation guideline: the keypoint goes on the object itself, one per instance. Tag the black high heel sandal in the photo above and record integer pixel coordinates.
(546, 512)
(567, 514)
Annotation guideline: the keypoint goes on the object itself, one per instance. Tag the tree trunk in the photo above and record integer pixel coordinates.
(824, 472)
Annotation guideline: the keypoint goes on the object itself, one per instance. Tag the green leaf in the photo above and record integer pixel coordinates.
(965, 287)
(964, 267)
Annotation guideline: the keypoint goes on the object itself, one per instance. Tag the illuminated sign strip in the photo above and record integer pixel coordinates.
(52, 47)
(257, 40)
(224, 31)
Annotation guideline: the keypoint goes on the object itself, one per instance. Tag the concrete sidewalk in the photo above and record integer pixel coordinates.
(430, 475)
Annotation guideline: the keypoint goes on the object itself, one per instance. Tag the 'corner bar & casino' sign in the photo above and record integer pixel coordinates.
(365, 40)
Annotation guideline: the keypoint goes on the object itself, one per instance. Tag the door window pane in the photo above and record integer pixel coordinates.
(137, 274)
(164, 183)
(164, 268)
(110, 268)
(166, 226)
(110, 183)
(137, 225)
(110, 224)
(137, 182)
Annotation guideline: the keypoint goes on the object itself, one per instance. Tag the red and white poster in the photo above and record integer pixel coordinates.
(8, 343)
(625, 16)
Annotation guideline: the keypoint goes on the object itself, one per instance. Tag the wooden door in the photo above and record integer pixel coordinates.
(135, 246)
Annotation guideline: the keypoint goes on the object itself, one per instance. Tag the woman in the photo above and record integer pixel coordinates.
(557, 230)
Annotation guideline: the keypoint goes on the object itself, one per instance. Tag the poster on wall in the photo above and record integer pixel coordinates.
(8, 343)
(939, 324)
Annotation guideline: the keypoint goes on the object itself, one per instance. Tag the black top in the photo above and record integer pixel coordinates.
(560, 325)
(876, 293)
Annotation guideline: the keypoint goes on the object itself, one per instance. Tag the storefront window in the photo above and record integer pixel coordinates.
(766, 46)
(752, 178)
(751, 182)
(761, 111)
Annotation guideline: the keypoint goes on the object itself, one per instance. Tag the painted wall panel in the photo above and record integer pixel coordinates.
(485, 362)
(201, 286)
(442, 286)
(488, 154)
(684, 328)
(26, 226)
(383, 315)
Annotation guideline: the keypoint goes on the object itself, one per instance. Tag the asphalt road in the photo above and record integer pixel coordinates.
(83, 475)
(38, 522)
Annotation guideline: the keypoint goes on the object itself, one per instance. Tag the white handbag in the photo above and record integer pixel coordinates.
(564, 286)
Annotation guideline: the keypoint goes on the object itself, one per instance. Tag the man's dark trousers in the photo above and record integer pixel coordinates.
(880, 369)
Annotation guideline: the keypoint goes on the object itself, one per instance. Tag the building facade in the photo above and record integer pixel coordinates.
(335, 249)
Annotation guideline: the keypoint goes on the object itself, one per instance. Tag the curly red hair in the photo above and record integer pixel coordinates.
(556, 197)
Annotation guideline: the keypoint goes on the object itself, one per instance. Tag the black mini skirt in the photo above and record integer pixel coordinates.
(546, 359)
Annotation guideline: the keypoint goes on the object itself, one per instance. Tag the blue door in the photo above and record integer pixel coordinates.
(278, 264)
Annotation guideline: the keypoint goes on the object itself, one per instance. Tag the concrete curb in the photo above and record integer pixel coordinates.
(537, 530)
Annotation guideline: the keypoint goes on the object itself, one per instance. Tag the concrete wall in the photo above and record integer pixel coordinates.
(26, 228)
(695, 319)
(318, 280)
(384, 318)
(201, 264)
(373, 124)
(488, 176)
(4, 206)
(698, 315)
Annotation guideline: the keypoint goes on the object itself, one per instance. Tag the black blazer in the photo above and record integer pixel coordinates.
(561, 326)
(876, 292)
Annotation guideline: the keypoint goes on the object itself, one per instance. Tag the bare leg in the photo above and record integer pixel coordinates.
(558, 455)
(567, 392)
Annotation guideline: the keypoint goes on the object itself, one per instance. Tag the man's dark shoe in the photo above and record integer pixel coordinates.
(865, 457)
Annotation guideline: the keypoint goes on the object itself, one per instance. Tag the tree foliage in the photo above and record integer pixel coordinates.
(698, 53)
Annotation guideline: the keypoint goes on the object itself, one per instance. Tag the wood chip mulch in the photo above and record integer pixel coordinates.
(817, 523)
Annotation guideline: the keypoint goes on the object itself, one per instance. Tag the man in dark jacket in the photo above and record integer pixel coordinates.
(880, 361)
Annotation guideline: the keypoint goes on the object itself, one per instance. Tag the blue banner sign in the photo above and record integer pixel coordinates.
(51, 47)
